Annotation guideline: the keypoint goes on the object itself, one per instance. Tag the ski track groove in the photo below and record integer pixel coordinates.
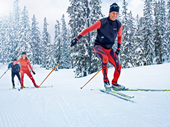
(49, 100)
(64, 108)
(39, 108)
(70, 112)
(10, 113)
(56, 116)
(13, 117)
(53, 115)
(88, 110)
(49, 110)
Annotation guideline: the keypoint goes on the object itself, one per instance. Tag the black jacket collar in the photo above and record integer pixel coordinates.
(110, 21)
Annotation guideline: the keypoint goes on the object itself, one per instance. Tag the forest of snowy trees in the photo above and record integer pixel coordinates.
(146, 40)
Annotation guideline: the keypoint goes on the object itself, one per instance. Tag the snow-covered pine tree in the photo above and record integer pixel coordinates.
(57, 44)
(65, 62)
(125, 46)
(94, 16)
(138, 56)
(163, 30)
(3, 42)
(16, 28)
(35, 42)
(6, 39)
(46, 52)
(24, 35)
(148, 32)
(157, 34)
(168, 28)
(77, 12)
(161, 44)
(49, 59)
(131, 39)
(9, 38)
(82, 14)
(0, 39)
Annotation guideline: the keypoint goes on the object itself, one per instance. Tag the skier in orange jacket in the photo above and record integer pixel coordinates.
(25, 65)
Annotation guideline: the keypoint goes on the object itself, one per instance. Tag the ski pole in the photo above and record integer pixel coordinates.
(55, 67)
(4, 73)
(70, 49)
(49, 74)
(90, 80)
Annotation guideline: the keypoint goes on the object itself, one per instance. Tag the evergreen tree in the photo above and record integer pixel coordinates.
(94, 16)
(80, 13)
(65, 62)
(16, 28)
(57, 43)
(24, 36)
(9, 39)
(163, 31)
(3, 42)
(49, 59)
(168, 28)
(148, 32)
(46, 46)
(131, 39)
(161, 45)
(138, 56)
(157, 34)
(77, 11)
(0, 39)
(125, 47)
(35, 42)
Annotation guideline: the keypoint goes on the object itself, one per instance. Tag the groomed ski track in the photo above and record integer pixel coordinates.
(66, 105)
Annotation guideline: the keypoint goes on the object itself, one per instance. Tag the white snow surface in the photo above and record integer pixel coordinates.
(66, 105)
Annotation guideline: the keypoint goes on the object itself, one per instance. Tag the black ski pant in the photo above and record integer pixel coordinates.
(13, 75)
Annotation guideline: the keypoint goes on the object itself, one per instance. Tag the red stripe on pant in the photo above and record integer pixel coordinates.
(108, 55)
(22, 72)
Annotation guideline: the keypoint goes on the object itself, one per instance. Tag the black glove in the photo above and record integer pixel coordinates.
(33, 72)
(73, 42)
(117, 52)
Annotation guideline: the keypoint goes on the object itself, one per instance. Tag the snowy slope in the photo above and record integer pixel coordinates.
(66, 105)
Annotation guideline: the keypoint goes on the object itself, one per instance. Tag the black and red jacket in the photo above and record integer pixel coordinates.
(107, 31)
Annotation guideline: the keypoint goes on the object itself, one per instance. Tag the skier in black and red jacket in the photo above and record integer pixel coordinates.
(107, 30)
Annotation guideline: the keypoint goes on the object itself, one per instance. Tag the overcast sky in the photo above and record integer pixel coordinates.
(54, 9)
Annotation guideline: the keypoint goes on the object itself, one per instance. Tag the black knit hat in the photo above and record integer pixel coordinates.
(23, 53)
(14, 59)
(114, 7)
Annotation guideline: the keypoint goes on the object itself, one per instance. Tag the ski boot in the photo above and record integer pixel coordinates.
(36, 86)
(13, 87)
(118, 87)
(22, 87)
(107, 85)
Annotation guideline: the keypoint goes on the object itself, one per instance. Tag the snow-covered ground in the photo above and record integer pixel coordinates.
(66, 105)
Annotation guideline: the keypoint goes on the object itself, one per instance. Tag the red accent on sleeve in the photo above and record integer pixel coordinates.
(119, 39)
(96, 25)
(77, 38)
